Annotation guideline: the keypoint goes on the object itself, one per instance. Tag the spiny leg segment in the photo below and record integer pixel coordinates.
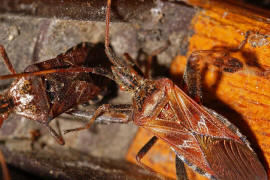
(113, 109)
(6, 60)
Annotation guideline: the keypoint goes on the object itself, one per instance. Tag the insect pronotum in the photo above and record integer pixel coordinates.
(200, 137)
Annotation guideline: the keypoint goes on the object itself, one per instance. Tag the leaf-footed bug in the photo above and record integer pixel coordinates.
(50, 88)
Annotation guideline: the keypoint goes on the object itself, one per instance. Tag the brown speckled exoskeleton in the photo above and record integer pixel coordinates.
(50, 88)
(200, 137)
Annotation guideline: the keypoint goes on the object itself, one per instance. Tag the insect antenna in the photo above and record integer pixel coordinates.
(96, 70)
(125, 75)
(109, 52)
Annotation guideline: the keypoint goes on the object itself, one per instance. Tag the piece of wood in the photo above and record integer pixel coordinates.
(243, 97)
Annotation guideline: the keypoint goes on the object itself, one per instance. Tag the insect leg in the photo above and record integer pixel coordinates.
(130, 61)
(6, 60)
(58, 137)
(111, 109)
(192, 78)
(144, 150)
(180, 169)
(96, 70)
(34, 136)
(120, 115)
(219, 58)
(6, 175)
(148, 63)
(244, 42)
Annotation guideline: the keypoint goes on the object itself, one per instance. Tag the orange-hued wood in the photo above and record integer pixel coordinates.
(242, 97)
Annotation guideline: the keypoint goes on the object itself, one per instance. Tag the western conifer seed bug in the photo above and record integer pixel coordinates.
(200, 137)
(50, 88)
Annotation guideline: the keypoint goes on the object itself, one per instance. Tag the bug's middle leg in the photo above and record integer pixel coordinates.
(111, 109)
(6, 60)
(107, 118)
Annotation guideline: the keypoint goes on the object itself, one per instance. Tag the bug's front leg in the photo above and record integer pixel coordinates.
(150, 57)
(114, 110)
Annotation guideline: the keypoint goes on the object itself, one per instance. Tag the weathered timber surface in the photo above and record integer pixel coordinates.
(28, 40)
(71, 164)
(89, 10)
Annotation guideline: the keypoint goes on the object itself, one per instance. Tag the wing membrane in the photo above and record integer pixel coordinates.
(231, 160)
(197, 119)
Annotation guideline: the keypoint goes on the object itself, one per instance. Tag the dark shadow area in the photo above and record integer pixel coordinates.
(250, 58)
(156, 70)
(212, 101)
(97, 58)
(18, 174)
(4, 86)
(159, 70)
(265, 4)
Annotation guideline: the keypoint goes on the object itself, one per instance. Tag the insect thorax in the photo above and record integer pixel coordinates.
(146, 101)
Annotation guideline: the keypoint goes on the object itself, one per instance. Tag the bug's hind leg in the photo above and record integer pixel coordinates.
(180, 169)
(144, 150)
(6, 60)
